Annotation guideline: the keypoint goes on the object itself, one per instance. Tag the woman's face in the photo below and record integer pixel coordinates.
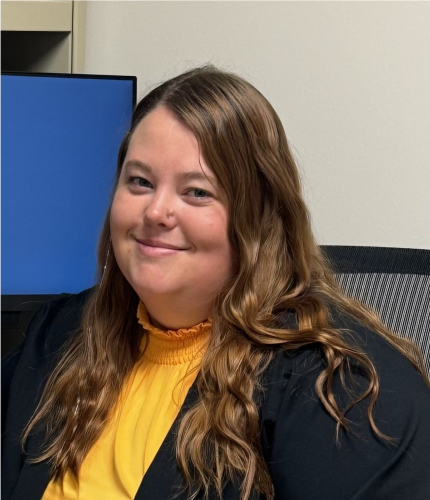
(168, 217)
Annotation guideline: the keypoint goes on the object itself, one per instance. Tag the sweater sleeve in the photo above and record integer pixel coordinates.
(301, 452)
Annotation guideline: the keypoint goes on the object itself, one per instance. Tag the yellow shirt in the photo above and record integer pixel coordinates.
(150, 401)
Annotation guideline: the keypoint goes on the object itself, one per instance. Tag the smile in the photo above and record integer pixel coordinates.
(152, 250)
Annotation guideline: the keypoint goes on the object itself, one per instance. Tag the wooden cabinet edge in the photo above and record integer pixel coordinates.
(36, 16)
(79, 36)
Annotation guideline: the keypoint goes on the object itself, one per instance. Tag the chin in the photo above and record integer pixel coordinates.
(152, 289)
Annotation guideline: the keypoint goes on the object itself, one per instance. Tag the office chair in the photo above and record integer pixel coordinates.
(395, 282)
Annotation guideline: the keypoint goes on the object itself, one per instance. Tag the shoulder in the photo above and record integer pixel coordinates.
(289, 369)
(55, 321)
(298, 433)
(26, 369)
(51, 326)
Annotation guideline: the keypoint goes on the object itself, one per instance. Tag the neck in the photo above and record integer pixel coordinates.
(169, 313)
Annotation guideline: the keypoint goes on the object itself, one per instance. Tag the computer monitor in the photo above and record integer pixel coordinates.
(60, 139)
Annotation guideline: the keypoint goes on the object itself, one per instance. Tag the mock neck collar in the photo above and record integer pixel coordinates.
(172, 347)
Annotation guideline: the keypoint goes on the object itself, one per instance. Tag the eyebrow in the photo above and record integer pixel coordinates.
(192, 175)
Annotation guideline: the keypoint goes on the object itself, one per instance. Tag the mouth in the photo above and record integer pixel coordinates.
(159, 244)
(154, 248)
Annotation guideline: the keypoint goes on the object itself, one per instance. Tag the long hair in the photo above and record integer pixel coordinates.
(278, 267)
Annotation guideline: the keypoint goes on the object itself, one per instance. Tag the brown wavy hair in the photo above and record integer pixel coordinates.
(279, 267)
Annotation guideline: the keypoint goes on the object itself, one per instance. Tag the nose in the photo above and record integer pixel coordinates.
(160, 210)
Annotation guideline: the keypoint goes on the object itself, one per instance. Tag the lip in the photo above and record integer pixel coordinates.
(154, 248)
(159, 244)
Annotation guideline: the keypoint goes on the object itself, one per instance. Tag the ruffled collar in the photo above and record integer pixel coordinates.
(172, 346)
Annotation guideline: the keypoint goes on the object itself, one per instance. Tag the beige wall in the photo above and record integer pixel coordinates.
(350, 81)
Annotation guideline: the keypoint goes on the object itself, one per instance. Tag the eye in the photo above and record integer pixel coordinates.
(199, 193)
(139, 182)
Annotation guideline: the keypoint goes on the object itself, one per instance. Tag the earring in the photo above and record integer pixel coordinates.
(78, 399)
(106, 261)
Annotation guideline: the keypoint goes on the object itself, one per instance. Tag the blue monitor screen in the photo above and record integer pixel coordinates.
(60, 141)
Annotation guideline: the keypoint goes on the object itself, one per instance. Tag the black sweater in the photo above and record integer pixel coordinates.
(297, 433)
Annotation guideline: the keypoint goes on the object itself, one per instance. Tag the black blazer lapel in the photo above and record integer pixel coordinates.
(34, 478)
(32, 482)
(163, 479)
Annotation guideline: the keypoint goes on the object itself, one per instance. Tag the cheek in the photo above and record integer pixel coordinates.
(121, 215)
(116, 222)
(115, 215)
(211, 236)
(121, 222)
(120, 225)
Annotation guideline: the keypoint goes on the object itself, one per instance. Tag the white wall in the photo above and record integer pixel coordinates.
(350, 81)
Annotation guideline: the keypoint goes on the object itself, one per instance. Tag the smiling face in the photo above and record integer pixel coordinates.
(168, 217)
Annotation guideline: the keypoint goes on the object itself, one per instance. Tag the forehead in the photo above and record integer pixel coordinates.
(161, 136)
(161, 143)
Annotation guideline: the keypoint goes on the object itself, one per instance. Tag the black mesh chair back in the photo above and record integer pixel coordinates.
(395, 282)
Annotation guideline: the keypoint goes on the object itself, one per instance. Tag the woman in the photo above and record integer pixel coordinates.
(217, 356)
